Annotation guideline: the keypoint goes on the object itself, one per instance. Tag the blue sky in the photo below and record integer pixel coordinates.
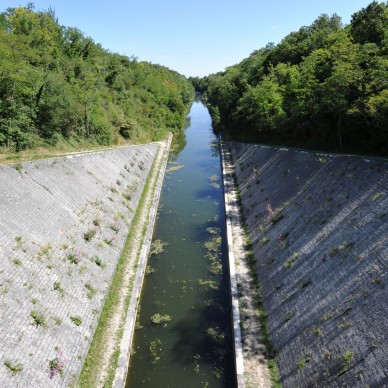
(195, 38)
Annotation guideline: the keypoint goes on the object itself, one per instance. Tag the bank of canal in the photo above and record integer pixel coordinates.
(183, 336)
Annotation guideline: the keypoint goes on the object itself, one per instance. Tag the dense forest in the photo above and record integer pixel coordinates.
(57, 85)
(324, 87)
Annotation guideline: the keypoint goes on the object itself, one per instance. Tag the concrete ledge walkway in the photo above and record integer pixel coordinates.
(251, 367)
(141, 250)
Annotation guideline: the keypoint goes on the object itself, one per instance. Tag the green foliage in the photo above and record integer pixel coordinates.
(88, 235)
(56, 84)
(347, 358)
(14, 368)
(291, 260)
(76, 320)
(58, 287)
(323, 86)
(38, 318)
(304, 360)
(370, 24)
(91, 290)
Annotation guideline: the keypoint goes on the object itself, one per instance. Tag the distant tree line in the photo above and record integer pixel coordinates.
(56, 84)
(324, 86)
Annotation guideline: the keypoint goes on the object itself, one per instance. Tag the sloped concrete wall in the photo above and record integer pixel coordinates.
(63, 224)
(319, 227)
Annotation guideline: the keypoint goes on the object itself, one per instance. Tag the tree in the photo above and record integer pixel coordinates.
(370, 24)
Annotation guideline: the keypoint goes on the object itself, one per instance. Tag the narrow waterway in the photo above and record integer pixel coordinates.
(183, 336)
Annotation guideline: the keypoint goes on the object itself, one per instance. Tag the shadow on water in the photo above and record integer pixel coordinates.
(188, 284)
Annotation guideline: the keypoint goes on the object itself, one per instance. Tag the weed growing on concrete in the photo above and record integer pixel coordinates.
(318, 331)
(45, 250)
(333, 251)
(115, 227)
(3, 291)
(128, 197)
(290, 261)
(56, 365)
(57, 320)
(326, 316)
(109, 241)
(345, 246)
(14, 368)
(38, 318)
(58, 287)
(288, 317)
(17, 261)
(73, 257)
(347, 358)
(91, 290)
(304, 360)
(89, 235)
(264, 240)
(274, 373)
(99, 262)
(17, 166)
(76, 320)
(18, 240)
(273, 216)
(304, 283)
(344, 324)
(377, 196)
(96, 222)
(283, 236)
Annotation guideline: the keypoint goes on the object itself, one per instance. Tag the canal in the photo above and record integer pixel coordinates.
(183, 334)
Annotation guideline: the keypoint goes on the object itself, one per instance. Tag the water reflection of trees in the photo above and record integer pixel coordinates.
(179, 142)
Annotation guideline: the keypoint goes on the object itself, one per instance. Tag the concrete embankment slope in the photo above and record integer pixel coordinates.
(319, 228)
(63, 224)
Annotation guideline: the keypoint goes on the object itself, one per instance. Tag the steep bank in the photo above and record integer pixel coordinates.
(63, 227)
(318, 225)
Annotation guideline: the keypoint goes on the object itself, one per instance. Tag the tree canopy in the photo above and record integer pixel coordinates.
(58, 84)
(324, 87)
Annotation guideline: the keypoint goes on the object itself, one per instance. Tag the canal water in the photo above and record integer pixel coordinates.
(184, 334)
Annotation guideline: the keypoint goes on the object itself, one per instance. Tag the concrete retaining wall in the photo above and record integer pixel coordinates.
(319, 229)
(129, 327)
(63, 224)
